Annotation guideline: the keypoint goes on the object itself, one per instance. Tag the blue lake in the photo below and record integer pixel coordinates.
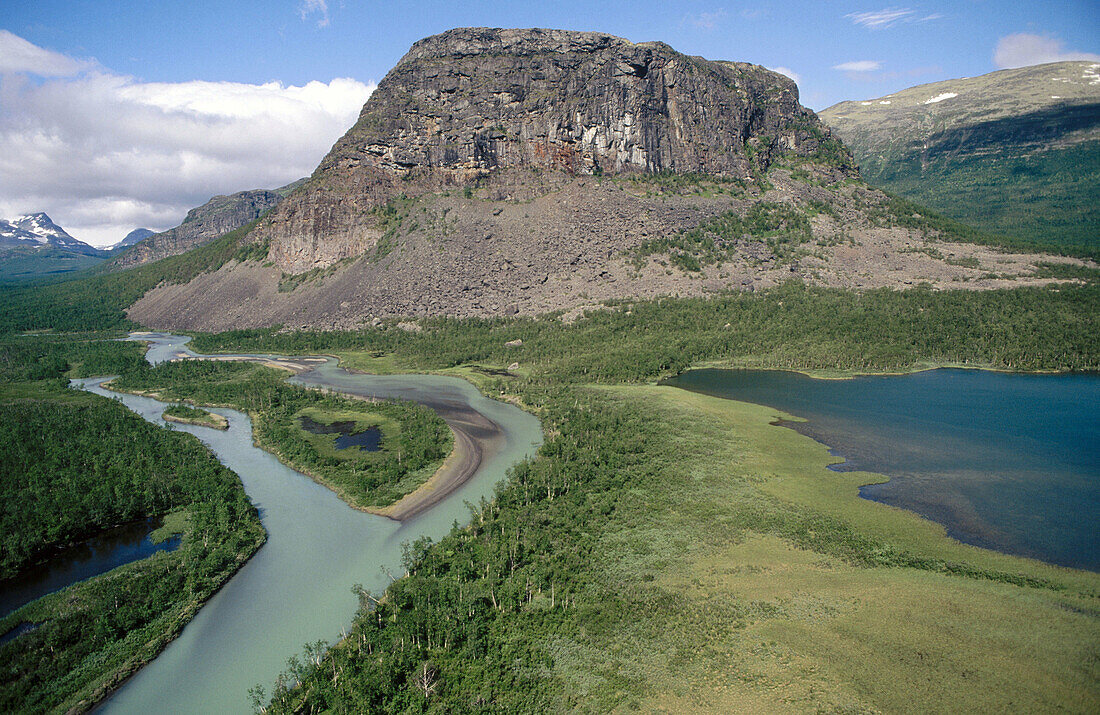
(1005, 461)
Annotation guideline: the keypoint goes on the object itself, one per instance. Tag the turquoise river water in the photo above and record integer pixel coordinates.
(298, 587)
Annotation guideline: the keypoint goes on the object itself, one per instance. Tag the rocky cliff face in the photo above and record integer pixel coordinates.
(203, 224)
(494, 108)
(504, 172)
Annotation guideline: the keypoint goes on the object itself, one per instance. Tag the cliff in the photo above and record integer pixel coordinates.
(494, 108)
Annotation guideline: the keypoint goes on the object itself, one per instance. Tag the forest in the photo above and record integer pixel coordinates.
(72, 464)
(790, 327)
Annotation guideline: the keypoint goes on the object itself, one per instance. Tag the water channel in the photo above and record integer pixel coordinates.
(105, 551)
(297, 588)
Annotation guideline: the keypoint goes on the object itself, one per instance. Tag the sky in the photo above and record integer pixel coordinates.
(118, 115)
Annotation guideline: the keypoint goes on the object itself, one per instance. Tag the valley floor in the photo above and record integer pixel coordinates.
(674, 552)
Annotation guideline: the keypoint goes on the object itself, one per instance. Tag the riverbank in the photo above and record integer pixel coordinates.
(318, 547)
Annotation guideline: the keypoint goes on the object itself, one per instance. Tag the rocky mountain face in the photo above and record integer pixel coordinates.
(202, 225)
(532, 171)
(1015, 151)
(38, 230)
(493, 108)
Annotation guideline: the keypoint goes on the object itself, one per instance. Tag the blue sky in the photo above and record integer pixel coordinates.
(186, 58)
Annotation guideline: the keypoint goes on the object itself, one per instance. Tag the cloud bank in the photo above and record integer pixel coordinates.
(103, 153)
(1023, 49)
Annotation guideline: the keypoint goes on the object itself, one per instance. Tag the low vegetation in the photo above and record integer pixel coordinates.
(193, 416)
(781, 227)
(672, 552)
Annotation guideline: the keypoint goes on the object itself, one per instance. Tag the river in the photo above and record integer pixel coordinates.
(297, 589)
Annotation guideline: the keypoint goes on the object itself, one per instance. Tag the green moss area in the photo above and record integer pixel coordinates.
(71, 464)
(672, 552)
(415, 442)
(194, 416)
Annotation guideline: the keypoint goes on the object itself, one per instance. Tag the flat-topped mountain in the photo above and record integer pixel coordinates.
(491, 107)
(529, 171)
(1015, 151)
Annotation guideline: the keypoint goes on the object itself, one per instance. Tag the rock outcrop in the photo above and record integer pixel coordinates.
(491, 108)
(202, 225)
(504, 172)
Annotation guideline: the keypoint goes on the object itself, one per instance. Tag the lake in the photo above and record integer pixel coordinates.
(1005, 461)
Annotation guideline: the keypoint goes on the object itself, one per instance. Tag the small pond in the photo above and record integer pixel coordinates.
(369, 439)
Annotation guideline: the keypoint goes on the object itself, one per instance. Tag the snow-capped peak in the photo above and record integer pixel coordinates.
(37, 230)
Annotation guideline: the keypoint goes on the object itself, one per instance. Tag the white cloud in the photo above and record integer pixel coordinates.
(788, 72)
(882, 19)
(103, 154)
(858, 66)
(707, 20)
(308, 7)
(1023, 49)
(18, 55)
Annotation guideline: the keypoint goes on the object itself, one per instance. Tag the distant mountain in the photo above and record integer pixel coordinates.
(138, 234)
(1016, 151)
(34, 247)
(38, 230)
(203, 224)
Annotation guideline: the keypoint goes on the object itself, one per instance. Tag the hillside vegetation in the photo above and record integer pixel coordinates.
(1015, 152)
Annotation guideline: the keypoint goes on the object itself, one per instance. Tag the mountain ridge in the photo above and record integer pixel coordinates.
(1014, 151)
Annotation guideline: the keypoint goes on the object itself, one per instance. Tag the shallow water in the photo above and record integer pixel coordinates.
(298, 587)
(1005, 461)
(105, 551)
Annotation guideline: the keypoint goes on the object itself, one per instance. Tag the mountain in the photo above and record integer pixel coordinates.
(38, 230)
(531, 171)
(203, 224)
(138, 234)
(1015, 151)
(34, 247)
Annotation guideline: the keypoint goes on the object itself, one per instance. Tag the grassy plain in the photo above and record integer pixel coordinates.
(794, 593)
